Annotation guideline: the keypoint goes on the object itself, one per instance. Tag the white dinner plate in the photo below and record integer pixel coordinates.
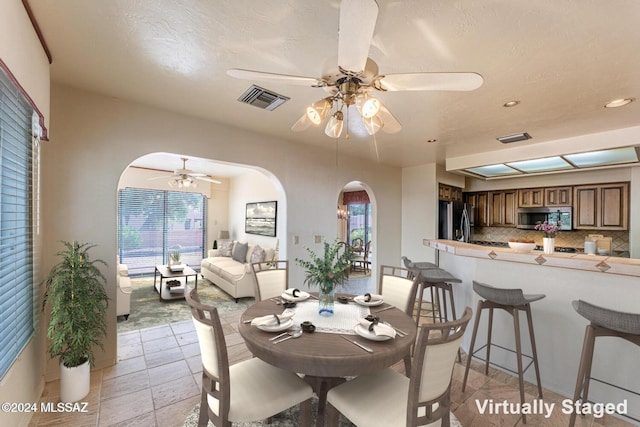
(276, 328)
(364, 333)
(302, 295)
(360, 300)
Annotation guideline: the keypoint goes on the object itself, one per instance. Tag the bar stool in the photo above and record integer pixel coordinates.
(604, 323)
(435, 279)
(512, 301)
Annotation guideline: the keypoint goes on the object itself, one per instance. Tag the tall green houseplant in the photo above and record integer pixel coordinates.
(75, 291)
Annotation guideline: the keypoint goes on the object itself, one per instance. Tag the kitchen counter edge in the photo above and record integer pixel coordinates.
(576, 261)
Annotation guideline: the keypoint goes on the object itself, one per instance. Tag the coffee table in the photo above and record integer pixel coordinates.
(167, 293)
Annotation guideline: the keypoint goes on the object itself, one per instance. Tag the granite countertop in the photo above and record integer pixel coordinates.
(577, 260)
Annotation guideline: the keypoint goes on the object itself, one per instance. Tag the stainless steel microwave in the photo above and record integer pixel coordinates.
(529, 217)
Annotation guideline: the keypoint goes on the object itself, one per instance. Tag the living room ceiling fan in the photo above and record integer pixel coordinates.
(358, 76)
(186, 178)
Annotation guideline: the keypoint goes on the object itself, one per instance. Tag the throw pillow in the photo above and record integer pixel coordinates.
(225, 246)
(258, 254)
(240, 252)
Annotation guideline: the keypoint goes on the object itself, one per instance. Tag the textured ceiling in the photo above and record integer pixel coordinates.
(562, 59)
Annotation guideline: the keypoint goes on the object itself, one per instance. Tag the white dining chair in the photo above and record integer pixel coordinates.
(270, 278)
(251, 390)
(388, 398)
(398, 287)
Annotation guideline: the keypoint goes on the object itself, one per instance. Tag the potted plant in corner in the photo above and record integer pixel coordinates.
(327, 273)
(78, 300)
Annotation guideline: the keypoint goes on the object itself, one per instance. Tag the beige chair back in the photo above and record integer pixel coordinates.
(213, 352)
(271, 279)
(398, 287)
(434, 357)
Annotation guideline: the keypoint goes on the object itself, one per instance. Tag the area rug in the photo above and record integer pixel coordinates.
(288, 418)
(148, 311)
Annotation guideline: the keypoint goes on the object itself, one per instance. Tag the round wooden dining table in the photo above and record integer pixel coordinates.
(327, 358)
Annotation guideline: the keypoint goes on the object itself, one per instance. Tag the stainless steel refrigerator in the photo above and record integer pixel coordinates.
(455, 221)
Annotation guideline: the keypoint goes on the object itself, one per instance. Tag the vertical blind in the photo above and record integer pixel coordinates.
(153, 224)
(16, 236)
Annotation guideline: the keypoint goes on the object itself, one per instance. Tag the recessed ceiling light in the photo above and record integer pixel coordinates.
(619, 102)
(511, 104)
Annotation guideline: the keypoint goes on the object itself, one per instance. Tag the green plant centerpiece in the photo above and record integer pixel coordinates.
(75, 291)
(327, 272)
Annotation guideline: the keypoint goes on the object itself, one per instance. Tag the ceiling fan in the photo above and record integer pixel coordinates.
(358, 76)
(186, 178)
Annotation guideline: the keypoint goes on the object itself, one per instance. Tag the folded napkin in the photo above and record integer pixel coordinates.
(271, 320)
(374, 297)
(293, 292)
(380, 329)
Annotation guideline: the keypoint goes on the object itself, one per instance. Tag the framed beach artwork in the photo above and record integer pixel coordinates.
(261, 218)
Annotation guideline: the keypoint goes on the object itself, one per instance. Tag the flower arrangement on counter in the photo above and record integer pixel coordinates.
(548, 229)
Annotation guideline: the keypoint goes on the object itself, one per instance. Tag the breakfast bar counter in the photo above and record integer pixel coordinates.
(577, 261)
(610, 282)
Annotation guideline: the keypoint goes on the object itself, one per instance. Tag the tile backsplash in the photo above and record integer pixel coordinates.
(573, 239)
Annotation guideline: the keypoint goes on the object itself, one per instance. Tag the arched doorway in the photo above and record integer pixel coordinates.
(356, 227)
(149, 230)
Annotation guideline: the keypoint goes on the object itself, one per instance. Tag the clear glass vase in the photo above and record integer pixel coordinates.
(325, 300)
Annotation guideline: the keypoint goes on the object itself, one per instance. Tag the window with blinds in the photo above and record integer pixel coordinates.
(16, 235)
(153, 224)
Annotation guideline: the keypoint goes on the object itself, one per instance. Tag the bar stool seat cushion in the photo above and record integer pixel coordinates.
(502, 296)
(417, 265)
(628, 323)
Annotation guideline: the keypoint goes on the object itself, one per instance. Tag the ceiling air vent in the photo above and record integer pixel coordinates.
(523, 136)
(262, 98)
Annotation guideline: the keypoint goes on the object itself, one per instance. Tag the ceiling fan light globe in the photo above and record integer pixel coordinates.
(335, 125)
(373, 124)
(368, 106)
(319, 110)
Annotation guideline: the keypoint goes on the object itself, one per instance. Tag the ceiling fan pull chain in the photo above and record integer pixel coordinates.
(346, 136)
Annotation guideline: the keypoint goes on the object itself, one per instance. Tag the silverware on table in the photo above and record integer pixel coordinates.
(294, 334)
(384, 309)
(364, 347)
(279, 336)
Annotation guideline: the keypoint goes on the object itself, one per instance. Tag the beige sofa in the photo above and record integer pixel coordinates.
(224, 269)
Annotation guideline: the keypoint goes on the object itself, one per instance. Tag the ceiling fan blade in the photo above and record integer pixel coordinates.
(283, 78)
(391, 124)
(357, 22)
(303, 123)
(429, 81)
(159, 177)
(206, 178)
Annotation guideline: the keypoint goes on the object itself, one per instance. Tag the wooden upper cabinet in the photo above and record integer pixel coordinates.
(449, 193)
(558, 196)
(530, 198)
(479, 201)
(602, 207)
(502, 208)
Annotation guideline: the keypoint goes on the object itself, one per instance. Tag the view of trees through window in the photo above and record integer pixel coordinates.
(153, 224)
(359, 224)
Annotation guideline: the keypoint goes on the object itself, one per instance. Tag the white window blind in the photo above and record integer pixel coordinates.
(154, 223)
(16, 236)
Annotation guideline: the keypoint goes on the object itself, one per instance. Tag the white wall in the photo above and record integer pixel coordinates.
(250, 187)
(419, 211)
(22, 54)
(97, 137)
